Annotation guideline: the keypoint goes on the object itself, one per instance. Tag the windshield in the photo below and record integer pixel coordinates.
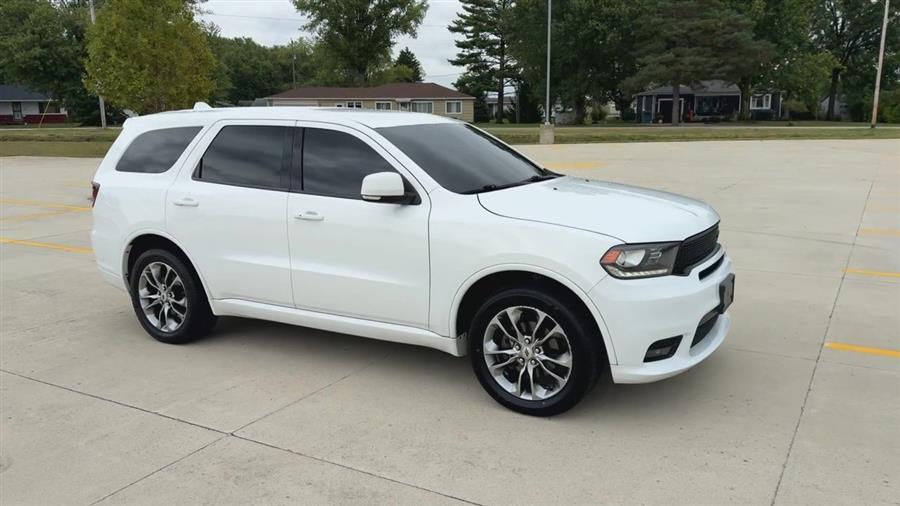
(463, 159)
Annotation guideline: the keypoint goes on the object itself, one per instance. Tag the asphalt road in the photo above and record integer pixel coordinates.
(800, 405)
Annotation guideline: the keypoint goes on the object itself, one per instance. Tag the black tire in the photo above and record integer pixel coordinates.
(198, 318)
(584, 340)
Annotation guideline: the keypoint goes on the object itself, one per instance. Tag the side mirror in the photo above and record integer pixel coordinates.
(385, 187)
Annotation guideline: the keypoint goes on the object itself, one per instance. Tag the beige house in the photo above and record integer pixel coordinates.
(416, 97)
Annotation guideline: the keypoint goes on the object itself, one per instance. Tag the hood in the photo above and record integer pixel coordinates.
(628, 213)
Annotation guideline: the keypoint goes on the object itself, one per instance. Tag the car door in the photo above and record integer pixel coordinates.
(228, 209)
(349, 256)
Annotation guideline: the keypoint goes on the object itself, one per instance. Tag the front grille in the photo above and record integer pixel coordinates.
(708, 322)
(696, 248)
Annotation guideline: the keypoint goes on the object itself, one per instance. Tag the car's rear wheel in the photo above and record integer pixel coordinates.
(533, 352)
(168, 299)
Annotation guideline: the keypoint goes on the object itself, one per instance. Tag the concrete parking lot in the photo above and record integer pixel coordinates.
(801, 405)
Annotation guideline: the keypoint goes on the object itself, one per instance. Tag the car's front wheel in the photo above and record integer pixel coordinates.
(533, 352)
(168, 299)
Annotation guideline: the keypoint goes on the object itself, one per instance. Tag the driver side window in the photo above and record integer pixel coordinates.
(334, 163)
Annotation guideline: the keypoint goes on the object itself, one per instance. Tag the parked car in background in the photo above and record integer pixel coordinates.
(410, 228)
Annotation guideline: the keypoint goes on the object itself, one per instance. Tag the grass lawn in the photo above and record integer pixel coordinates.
(94, 142)
(578, 134)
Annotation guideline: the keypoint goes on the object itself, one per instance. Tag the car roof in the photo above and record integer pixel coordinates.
(336, 115)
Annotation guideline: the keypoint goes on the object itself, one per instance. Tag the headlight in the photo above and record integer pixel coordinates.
(629, 261)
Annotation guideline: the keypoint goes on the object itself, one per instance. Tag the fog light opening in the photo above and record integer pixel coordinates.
(662, 349)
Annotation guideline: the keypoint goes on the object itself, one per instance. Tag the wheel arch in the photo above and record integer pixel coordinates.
(150, 239)
(479, 285)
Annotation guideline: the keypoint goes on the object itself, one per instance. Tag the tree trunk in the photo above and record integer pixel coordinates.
(676, 100)
(745, 86)
(832, 93)
(579, 110)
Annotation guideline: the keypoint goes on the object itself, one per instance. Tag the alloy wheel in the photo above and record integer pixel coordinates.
(527, 353)
(162, 296)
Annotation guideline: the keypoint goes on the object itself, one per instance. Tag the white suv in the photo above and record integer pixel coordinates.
(409, 228)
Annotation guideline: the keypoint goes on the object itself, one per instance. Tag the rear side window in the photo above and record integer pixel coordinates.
(156, 151)
(250, 155)
(335, 163)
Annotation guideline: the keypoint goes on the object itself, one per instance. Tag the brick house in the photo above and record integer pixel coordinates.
(416, 97)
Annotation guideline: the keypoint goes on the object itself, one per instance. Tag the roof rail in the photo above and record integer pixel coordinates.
(201, 106)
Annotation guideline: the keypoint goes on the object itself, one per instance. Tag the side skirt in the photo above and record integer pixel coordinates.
(342, 324)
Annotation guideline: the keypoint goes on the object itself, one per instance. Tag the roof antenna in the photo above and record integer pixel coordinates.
(201, 106)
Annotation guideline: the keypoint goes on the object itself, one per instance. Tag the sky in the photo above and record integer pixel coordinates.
(277, 22)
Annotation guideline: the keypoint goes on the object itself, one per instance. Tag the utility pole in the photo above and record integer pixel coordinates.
(547, 128)
(102, 105)
(294, 69)
(887, 5)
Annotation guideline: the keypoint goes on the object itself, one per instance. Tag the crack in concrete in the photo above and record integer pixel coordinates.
(233, 434)
(812, 377)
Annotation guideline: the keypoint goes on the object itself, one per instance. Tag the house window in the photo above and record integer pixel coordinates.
(454, 107)
(382, 106)
(421, 107)
(761, 101)
(354, 104)
(339, 105)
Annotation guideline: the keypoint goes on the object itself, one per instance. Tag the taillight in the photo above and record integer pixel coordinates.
(95, 191)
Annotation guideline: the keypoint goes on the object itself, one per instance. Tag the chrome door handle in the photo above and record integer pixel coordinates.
(309, 216)
(186, 202)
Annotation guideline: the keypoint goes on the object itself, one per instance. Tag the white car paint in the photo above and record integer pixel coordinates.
(399, 272)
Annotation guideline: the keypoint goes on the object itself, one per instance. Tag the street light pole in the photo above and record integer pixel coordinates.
(102, 105)
(887, 4)
(547, 128)
(547, 96)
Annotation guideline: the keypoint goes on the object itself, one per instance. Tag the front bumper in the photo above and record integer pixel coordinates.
(640, 312)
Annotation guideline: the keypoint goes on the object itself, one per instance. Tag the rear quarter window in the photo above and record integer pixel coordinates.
(156, 151)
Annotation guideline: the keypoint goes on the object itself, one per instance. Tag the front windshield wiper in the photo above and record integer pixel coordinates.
(533, 179)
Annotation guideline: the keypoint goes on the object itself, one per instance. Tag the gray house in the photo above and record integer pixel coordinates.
(709, 102)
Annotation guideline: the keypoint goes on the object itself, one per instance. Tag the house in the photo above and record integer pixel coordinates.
(19, 105)
(709, 101)
(509, 102)
(415, 97)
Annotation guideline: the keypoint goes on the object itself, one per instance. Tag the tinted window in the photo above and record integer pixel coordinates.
(462, 159)
(335, 163)
(247, 156)
(157, 150)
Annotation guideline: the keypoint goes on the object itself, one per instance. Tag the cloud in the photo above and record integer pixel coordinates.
(277, 22)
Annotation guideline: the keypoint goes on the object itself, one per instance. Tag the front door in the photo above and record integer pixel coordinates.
(17, 111)
(351, 257)
(227, 207)
(664, 107)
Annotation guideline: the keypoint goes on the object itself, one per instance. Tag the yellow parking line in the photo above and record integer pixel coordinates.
(863, 349)
(48, 205)
(880, 231)
(46, 245)
(863, 272)
(31, 216)
(882, 207)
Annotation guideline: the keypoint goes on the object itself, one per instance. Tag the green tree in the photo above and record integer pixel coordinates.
(592, 53)
(804, 78)
(247, 70)
(687, 41)
(42, 47)
(408, 59)
(850, 30)
(483, 49)
(149, 57)
(357, 35)
(781, 28)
